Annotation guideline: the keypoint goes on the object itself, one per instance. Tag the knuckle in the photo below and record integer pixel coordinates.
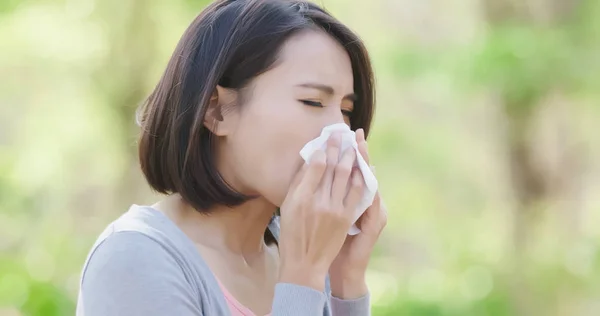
(321, 207)
(318, 164)
(344, 169)
(302, 197)
(349, 153)
(332, 160)
(340, 217)
(358, 185)
(328, 209)
(384, 219)
(333, 144)
(338, 208)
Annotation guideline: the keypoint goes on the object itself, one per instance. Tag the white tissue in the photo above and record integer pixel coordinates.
(348, 140)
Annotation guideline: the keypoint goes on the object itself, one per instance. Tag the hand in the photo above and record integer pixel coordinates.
(347, 272)
(317, 214)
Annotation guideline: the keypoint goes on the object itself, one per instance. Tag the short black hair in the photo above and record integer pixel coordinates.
(228, 44)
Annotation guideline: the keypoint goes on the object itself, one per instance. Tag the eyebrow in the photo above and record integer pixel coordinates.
(328, 90)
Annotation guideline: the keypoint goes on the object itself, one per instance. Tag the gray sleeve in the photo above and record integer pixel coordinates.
(297, 300)
(131, 274)
(358, 307)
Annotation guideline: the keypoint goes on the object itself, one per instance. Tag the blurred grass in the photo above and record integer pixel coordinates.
(452, 87)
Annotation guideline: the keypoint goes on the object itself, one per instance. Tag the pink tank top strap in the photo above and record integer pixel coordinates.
(236, 308)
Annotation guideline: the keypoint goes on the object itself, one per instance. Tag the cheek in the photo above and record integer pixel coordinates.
(272, 143)
(280, 162)
(277, 175)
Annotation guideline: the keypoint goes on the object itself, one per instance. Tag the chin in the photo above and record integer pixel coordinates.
(276, 197)
(277, 190)
(278, 201)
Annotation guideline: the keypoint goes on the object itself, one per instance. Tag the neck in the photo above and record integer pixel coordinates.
(238, 229)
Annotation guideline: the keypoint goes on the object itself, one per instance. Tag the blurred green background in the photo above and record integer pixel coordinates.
(485, 140)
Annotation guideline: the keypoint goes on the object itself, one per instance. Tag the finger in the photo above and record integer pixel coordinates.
(333, 155)
(343, 170)
(381, 211)
(314, 173)
(376, 201)
(356, 191)
(383, 216)
(362, 144)
(374, 219)
(360, 135)
(379, 214)
(364, 218)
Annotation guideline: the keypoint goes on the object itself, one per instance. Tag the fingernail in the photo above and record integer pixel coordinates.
(336, 138)
(333, 139)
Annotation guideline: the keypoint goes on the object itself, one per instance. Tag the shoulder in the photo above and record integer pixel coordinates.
(129, 273)
(126, 250)
(141, 238)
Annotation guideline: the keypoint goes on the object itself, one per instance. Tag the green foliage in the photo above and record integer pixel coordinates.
(495, 304)
(523, 63)
(32, 297)
(196, 5)
(7, 6)
(71, 83)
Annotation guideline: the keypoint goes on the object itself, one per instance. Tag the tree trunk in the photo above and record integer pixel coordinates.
(122, 80)
(530, 185)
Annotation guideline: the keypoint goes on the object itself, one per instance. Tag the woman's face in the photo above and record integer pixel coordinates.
(311, 87)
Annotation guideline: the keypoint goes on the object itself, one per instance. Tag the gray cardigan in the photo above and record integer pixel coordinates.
(143, 264)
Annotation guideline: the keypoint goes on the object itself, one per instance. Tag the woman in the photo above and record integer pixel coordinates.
(248, 85)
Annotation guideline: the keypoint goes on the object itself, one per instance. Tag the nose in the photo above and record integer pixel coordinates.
(336, 116)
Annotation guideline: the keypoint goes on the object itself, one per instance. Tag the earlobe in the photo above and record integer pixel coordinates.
(219, 115)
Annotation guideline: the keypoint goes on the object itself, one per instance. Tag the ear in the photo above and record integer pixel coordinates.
(221, 117)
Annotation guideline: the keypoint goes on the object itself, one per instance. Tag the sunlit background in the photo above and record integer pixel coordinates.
(486, 142)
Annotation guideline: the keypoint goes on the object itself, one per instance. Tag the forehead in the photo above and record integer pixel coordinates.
(314, 56)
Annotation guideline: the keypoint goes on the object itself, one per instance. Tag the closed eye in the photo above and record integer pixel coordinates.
(312, 103)
(346, 113)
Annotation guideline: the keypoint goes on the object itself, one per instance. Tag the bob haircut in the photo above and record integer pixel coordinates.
(228, 44)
